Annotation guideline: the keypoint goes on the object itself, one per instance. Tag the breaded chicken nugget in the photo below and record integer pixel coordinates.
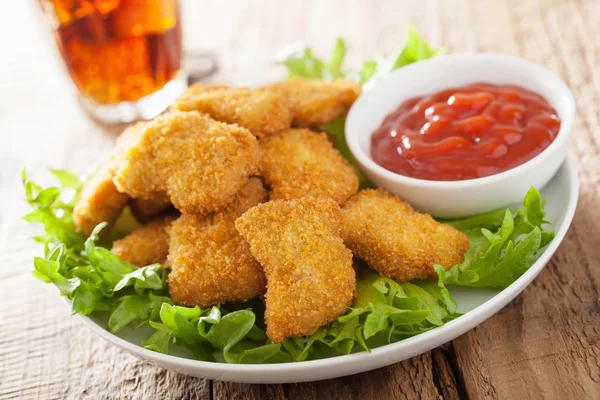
(310, 279)
(200, 163)
(316, 102)
(299, 162)
(99, 200)
(146, 245)
(262, 112)
(125, 139)
(397, 241)
(210, 262)
(146, 209)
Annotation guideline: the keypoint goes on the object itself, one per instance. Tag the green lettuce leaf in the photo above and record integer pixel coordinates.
(159, 342)
(502, 249)
(135, 307)
(230, 336)
(383, 312)
(300, 60)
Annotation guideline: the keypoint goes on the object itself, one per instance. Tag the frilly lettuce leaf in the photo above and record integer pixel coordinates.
(300, 60)
(384, 311)
(502, 249)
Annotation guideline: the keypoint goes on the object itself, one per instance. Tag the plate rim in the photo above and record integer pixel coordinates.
(344, 365)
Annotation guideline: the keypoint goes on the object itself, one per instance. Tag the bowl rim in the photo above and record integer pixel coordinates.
(419, 343)
(562, 138)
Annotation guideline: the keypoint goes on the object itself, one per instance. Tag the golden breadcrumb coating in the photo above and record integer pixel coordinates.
(315, 102)
(300, 162)
(146, 245)
(210, 262)
(310, 278)
(396, 240)
(146, 209)
(200, 163)
(260, 111)
(99, 200)
(125, 139)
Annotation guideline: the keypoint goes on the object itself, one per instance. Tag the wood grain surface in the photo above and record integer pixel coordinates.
(544, 344)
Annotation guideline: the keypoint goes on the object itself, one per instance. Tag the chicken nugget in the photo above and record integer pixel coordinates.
(125, 139)
(200, 163)
(146, 245)
(299, 162)
(99, 200)
(210, 262)
(262, 112)
(315, 102)
(145, 210)
(396, 240)
(310, 278)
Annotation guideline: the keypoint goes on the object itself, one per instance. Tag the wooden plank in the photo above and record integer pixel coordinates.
(545, 344)
(447, 377)
(229, 390)
(410, 379)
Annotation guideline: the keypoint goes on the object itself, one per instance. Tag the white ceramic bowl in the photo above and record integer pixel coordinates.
(459, 198)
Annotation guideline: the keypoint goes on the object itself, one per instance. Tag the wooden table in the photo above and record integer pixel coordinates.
(545, 344)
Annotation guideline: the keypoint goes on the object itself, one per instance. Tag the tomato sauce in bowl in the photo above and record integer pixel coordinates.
(465, 133)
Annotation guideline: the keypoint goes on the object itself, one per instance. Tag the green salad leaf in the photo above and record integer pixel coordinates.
(383, 312)
(213, 334)
(502, 249)
(300, 60)
(503, 245)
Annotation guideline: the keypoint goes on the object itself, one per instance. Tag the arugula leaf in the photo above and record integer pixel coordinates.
(52, 213)
(87, 298)
(231, 335)
(333, 69)
(47, 270)
(300, 62)
(497, 259)
(137, 307)
(159, 342)
(149, 277)
(247, 353)
(415, 49)
(67, 179)
(180, 322)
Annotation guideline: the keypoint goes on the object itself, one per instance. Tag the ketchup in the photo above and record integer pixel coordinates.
(465, 133)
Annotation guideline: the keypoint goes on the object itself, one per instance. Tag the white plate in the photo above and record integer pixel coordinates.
(561, 194)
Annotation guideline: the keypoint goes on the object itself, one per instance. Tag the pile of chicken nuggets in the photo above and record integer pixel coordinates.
(242, 197)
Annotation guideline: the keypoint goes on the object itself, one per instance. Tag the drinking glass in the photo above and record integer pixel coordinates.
(124, 56)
